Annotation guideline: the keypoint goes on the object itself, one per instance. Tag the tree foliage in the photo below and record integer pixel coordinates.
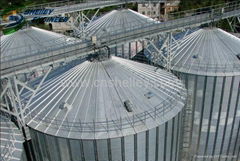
(193, 4)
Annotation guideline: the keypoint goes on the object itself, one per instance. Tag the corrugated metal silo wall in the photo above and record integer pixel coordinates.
(159, 144)
(127, 50)
(24, 157)
(213, 107)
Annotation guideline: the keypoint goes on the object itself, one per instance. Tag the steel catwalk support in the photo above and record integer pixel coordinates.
(80, 23)
(115, 50)
(11, 102)
(136, 47)
(62, 7)
(129, 50)
(75, 23)
(234, 23)
(123, 54)
(143, 45)
(164, 52)
(158, 55)
(86, 23)
(169, 52)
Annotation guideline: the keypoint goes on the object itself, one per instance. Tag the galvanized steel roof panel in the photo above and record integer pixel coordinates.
(209, 51)
(118, 21)
(97, 110)
(30, 41)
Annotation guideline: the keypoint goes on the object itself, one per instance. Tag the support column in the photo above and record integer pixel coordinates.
(123, 51)
(129, 51)
(116, 50)
(143, 45)
(169, 51)
(136, 47)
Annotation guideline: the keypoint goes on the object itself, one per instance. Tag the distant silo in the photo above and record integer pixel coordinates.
(120, 21)
(28, 42)
(207, 62)
(108, 110)
(11, 141)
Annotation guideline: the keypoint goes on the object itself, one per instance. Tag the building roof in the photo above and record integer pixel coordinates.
(11, 140)
(92, 99)
(174, 3)
(30, 41)
(118, 21)
(208, 51)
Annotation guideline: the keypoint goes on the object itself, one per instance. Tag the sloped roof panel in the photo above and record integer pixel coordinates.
(208, 51)
(118, 21)
(87, 101)
(30, 41)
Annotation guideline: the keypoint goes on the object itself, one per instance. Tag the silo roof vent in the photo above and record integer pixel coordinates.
(128, 105)
(64, 105)
(195, 56)
(149, 95)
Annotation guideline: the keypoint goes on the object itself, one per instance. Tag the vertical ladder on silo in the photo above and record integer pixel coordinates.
(187, 125)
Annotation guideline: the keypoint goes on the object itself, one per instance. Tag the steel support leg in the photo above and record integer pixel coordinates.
(11, 101)
(129, 50)
(234, 23)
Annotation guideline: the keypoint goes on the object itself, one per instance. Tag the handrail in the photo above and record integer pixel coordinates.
(188, 13)
(157, 113)
(74, 2)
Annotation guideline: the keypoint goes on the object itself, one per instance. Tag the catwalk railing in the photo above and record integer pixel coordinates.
(209, 68)
(87, 3)
(62, 7)
(158, 114)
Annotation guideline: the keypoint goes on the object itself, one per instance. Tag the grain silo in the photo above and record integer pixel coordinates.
(207, 62)
(114, 110)
(11, 141)
(120, 21)
(28, 42)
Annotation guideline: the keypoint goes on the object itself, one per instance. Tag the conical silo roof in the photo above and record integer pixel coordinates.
(208, 51)
(30, 41)
(11, 140)
(108, 99)
(118, 21)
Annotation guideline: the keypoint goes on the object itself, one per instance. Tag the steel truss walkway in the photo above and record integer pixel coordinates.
(67, 52)
(63, 7)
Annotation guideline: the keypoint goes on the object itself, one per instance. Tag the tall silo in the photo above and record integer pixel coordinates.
(114, 109)
(11, 141)
(207, 62)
